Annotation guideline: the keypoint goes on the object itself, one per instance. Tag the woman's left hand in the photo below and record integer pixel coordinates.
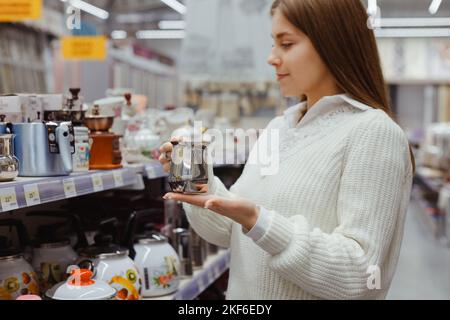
(242, 211)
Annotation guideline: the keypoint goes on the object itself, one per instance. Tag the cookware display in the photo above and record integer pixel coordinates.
(111, 263)
(17, 277)
(44, 149)
(71, 110)
(9, 164)
(189, 167)
(82, 153)
(112, 107)
(81, 286)
(154, 257)
(51, 259)
(22, 234)
(105, 151)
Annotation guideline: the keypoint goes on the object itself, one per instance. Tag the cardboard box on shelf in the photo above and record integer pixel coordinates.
(52, 102)
(10, 109)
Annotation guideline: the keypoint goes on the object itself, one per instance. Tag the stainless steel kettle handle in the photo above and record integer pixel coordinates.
(63, 140)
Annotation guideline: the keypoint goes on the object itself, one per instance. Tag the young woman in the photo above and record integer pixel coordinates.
(329, 223)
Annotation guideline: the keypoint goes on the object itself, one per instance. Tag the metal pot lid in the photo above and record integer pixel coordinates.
(103, 252)
(58, 243)
(10, 254)
(151, 238)
(81, 286)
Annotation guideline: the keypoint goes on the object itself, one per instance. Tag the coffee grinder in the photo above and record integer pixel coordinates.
(105, 148)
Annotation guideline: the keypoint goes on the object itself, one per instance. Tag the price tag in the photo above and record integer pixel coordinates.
(8, 199)
(151, 172)
(69, 188)
(20, 10)
(84, 47)
(118, 179)
(31, 192)
(97, 182)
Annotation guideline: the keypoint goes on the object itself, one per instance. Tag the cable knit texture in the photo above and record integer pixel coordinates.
(338, 205)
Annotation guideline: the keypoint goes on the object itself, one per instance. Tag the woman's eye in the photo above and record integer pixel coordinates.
(286, 45)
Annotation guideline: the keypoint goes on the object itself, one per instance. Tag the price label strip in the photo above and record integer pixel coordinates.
(118, 179)
(69, 188)
(97, 182)
(32, 196)
(8, 199)
(151, 172)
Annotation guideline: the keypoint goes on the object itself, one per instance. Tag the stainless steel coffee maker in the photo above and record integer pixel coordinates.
(44, 149)
(189, 167)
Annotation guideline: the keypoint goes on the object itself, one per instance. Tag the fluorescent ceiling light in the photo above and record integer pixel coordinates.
(175, 5)
(89, 8)
(414, 22)
(434, 6)
(119, 34)
(413, 33)
(160, 34)
(372, 8)
(172, 24)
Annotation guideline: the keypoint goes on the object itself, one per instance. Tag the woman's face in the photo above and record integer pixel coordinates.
(299, 68)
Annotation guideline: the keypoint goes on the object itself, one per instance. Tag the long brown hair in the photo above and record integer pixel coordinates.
(339, 31)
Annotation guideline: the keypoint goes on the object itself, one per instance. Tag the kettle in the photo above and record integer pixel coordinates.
(110, 263)
(9, 165)
(81, 286)
(189, 167)
(17, 277)
(24, 239)
(44, 149)
(155, 258)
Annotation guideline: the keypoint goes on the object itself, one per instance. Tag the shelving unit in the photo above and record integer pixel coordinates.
(191, 287)
(26, 192)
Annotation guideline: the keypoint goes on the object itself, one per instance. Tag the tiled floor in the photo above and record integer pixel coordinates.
(423, 270)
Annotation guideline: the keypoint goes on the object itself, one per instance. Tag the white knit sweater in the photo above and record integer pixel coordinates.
(337, 204)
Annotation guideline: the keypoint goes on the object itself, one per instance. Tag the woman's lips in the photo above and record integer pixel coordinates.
(281, 76)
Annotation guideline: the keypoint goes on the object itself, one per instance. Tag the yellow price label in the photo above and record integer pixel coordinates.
(97, 182)
(19, 10)
(118, 179)
(69, 188)
(8, 199)
(83, 47)
(32, 196)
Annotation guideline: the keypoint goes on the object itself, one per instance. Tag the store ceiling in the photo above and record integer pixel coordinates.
(133, 15)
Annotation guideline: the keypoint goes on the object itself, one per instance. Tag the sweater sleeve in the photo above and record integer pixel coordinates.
(373, 198)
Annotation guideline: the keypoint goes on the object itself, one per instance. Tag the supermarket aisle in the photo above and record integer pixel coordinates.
(423, 269)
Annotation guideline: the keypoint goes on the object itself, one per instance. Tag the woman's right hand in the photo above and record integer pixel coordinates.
(166, 152)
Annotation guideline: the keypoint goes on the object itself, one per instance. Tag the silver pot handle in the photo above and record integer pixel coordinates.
(63, 140)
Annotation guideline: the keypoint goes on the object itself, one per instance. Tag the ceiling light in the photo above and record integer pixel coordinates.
(89, 8)
(175, 5)
(160, 34)
(434, 6)
(172, 24)
(119, 34)
(415, 22)
(372, 8)
(413, 33)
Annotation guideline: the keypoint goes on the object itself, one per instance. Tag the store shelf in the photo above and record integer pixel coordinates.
(154, 170)
(26, 192)
(430, 215)
(190, 288)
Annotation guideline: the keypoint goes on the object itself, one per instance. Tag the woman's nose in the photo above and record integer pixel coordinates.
(273, 60)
